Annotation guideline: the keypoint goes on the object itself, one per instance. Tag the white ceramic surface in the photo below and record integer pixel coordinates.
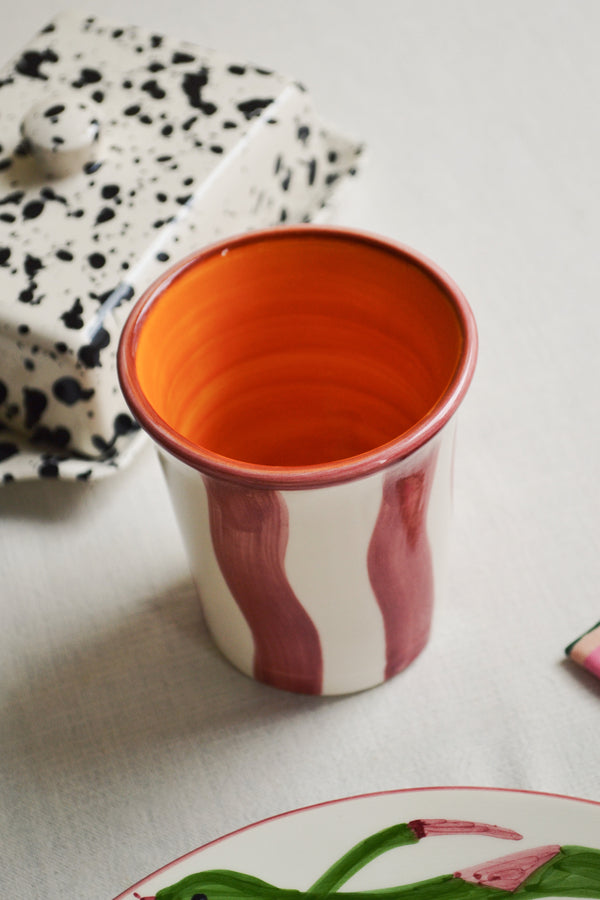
(486, 841)
(122, 150)
(315, 512)
(326, 575)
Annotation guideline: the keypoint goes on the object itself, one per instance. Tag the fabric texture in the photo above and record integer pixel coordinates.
(125, 738)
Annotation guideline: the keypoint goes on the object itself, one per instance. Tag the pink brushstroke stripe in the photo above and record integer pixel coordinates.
(249, 530)
(508, 872)
(400, 565)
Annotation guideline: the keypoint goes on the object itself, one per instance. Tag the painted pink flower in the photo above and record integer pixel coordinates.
(429, 827)
(509, 872)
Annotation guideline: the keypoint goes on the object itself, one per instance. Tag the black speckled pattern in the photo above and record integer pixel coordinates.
(120, 152)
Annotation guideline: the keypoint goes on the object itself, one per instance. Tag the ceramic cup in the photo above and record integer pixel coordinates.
(301, 385)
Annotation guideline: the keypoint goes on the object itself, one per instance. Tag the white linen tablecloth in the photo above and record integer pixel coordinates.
(125, 739)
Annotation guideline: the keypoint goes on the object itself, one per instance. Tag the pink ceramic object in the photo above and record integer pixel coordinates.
(301, 385)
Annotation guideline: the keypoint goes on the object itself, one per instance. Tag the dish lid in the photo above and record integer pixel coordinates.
(122, 150)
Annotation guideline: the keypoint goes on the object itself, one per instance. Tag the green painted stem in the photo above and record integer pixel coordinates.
(573, 873)
(361, 854)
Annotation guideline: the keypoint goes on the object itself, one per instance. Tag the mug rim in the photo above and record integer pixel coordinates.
(318, 474)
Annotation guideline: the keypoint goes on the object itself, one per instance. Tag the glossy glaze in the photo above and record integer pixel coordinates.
(298, 351)
(121, 151)
(301, 385)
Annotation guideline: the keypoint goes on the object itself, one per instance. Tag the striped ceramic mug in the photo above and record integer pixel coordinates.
(301, 384)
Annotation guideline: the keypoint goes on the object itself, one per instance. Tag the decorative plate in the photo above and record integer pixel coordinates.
(429, 843)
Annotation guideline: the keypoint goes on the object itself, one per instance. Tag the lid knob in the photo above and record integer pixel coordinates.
(63, 135)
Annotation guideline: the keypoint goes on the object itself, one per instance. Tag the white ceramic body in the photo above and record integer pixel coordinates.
(356, 566)
(301, 385)
(103, 186)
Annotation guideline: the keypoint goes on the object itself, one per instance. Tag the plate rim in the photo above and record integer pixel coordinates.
(339, 800)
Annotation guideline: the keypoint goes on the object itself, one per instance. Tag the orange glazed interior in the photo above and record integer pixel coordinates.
(299, 349)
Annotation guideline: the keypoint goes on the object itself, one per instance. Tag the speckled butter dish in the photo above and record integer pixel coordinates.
(122, 151)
